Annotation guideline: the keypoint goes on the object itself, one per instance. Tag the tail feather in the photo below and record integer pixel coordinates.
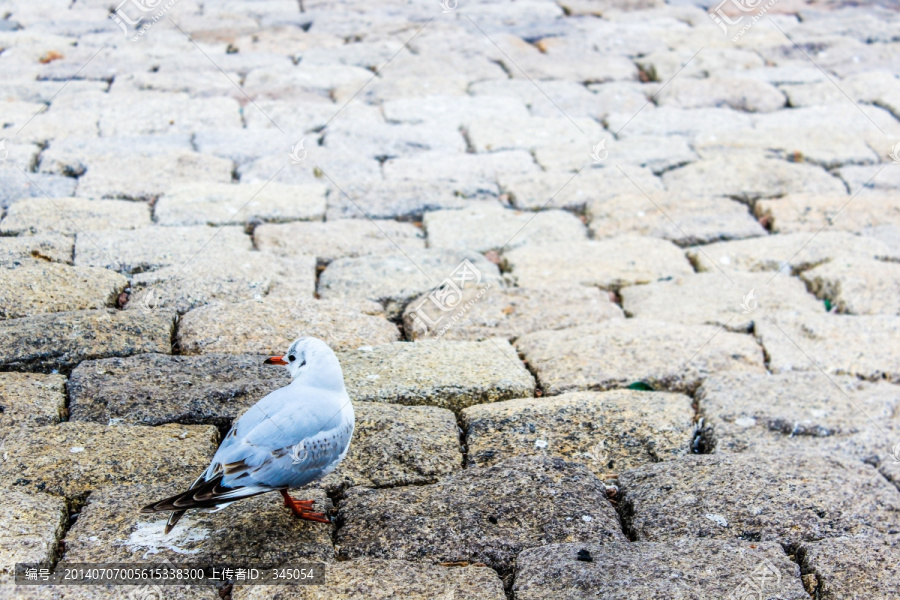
(173, 519)
(203, 494)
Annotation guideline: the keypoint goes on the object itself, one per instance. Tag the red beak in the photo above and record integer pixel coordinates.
(275, 360)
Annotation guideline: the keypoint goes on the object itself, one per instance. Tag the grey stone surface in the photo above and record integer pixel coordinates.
(374, 139)
(30, 399)
(619, 353)
(619, 96)
(667, 63)
(890, 467)
(72, 215)
(223, 203)
(392, 280)
(454, 110)
(397, 445)
(405, 200)
(111, 529)
(74, 156)
(14, 186)
(51, 247)
(714, 298)
(72, 459)
(851, 567)
(36, 287)
(300, 112)
(788, 253)
(810, 146)
(268, 326)
(337, 239)
(30, 528)
(789, 498)
(154, 113)
(450, 375)
(492, 135)
(465, 174)
(21, 154)
(570, 98)
(665, 121)
(749, 178)
(857, 286)
(211, 277)
(715, 175)
(557, 59)
(482, 312)
(608, 432)
(840, 414)
(573, 191)
(62, 340)
(340, 167)
(685, 221)
(656, 153)
(684, 568)
(483, 514)
(379, 579)
(836, 344)
(859, 177)
(800, 128)
(151, 248)
(610, 264)
(804, 212)
(111, 177)
(493, 227)
(241, 146)
(284, 80)
(154, 389)
(407, 73)
(888, 235)
(745, 94)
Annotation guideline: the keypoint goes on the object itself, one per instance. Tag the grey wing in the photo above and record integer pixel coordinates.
(306, 461)
(281, 442)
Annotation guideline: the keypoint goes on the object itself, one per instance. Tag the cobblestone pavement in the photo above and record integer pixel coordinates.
(614, 284)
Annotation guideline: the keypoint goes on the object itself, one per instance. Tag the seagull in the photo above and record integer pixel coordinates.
(293, 436)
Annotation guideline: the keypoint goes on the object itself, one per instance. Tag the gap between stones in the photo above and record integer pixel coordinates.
(808, 577)
(74, 506)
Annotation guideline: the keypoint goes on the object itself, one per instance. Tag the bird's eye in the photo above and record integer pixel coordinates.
(292, 358)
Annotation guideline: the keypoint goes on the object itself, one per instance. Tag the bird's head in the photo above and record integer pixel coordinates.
(311, 359)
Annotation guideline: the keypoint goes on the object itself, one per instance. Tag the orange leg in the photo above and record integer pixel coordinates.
(302, 509)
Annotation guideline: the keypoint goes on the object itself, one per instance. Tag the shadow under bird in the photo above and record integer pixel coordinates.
(295, 435)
